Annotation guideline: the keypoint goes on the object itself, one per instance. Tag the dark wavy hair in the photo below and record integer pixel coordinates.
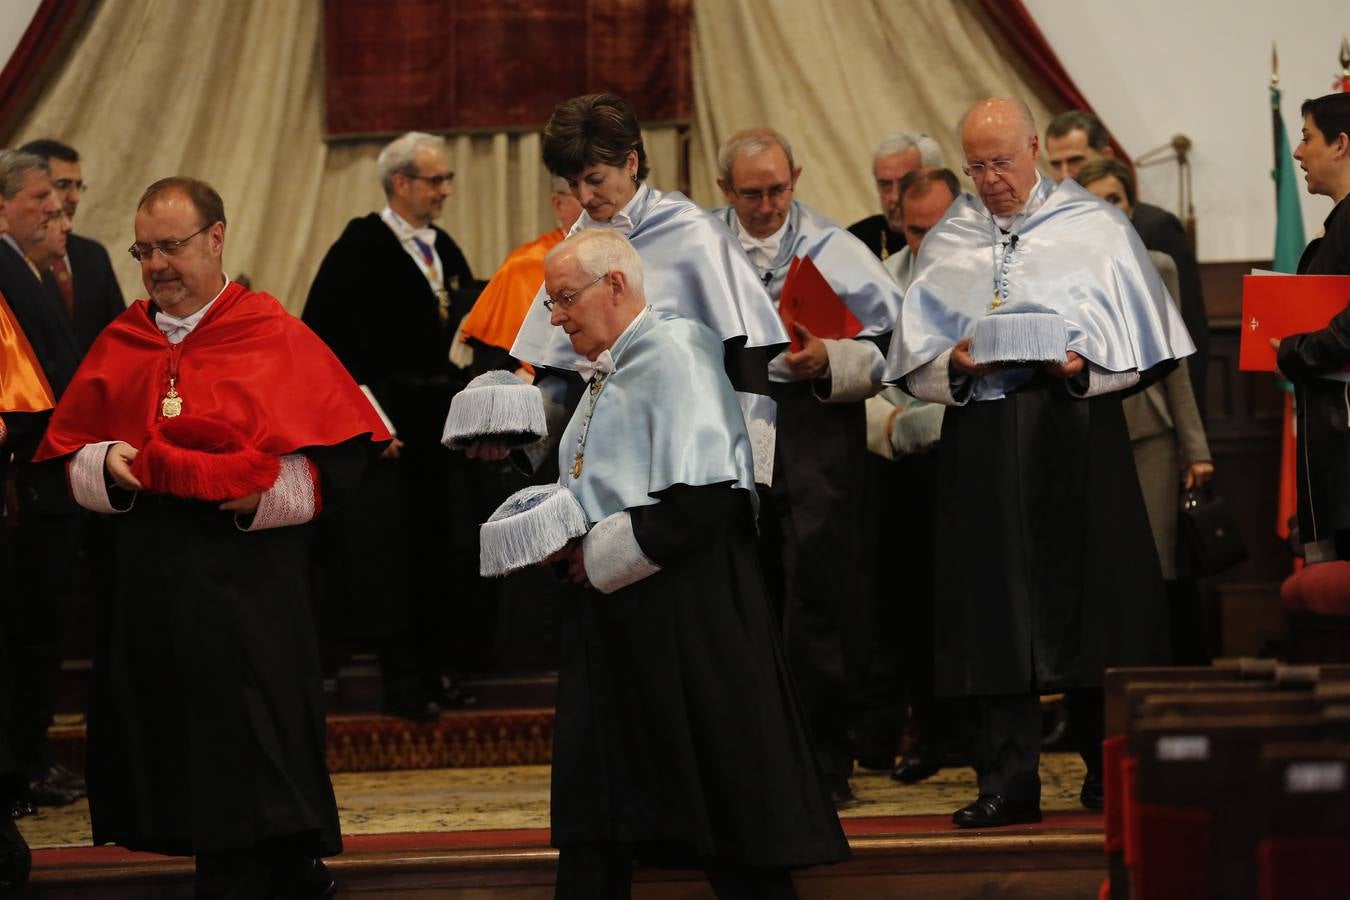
(596, 128)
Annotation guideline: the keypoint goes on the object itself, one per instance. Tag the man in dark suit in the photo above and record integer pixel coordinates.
(1073, 138)
(83, 275)
(41, 544)
(387, 299)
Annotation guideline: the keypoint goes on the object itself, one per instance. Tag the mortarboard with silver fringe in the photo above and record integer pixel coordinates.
(531, 525)
(1020, 333)
(495, 406)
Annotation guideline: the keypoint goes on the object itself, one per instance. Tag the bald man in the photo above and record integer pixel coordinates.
(1045, 563)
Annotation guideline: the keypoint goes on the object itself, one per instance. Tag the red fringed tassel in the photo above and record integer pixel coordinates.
(202, 459)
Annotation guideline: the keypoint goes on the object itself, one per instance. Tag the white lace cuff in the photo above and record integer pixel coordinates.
(291, 500)
(932, 381)
(761, 423)
(855, 370)
(88, 483)
(612, 556)
(1100, 381)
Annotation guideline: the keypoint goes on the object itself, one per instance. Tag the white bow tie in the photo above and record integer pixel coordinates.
(603, 365)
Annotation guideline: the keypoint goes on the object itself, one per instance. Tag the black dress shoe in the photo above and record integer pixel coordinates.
(1093, 795)
(44, 793)
(450, 694)
(312, 881)
(913, 769)
(62, 777)
(841, 792)
(993, 810)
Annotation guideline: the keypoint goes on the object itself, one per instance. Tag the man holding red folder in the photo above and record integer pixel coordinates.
(1310, 360)
(839, 304)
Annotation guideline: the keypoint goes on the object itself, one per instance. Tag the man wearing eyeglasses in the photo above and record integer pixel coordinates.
(206, 732)
(812, 513)
(387, 299)
(81, 277)
(1046, 568)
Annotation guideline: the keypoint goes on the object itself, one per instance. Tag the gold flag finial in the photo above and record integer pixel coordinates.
(1345, 57)
(1274, 64)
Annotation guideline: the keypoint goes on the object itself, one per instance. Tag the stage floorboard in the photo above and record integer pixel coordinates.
(483, 833)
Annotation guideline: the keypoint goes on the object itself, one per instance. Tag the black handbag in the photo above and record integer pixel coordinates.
(1208, 541)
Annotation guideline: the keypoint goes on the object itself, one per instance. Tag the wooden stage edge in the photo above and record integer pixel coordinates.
(892, 857)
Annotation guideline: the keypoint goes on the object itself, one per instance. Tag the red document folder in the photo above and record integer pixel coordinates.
(808, 298)
(1276, 306)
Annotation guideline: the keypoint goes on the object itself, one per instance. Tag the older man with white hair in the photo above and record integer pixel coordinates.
(895, 157)
(386, 299)
(1031, 309)
(678, 740)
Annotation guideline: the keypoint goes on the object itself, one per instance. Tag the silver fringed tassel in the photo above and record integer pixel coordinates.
(533, 524)
(495, 406)
(1020, 333)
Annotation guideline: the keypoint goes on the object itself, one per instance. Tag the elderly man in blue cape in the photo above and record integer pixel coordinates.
(1047, 573)
(694, 267)
(678, 739)
(813, 519)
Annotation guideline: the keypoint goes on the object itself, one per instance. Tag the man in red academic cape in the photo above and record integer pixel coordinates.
(212, 426)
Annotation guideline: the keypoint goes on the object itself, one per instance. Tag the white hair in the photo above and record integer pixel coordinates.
(599, 251)
(399, 157)
(930, 154)
(558, 184)
(751, 142)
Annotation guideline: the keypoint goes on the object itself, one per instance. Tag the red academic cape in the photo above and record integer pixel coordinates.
(248, 363)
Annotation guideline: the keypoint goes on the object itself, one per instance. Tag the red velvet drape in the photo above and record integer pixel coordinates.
(1011, 20)
(35, 58)
(441, 65)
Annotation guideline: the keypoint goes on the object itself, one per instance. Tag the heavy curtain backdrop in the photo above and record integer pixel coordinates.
(232, 91)
(472, 65)
(836, 76)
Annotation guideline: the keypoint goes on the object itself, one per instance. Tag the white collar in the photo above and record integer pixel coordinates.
(621, 221)
(404, 231)
(1006, 222)
(176, 328)
(766, 245)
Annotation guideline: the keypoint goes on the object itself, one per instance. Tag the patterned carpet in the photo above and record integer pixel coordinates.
(517, 797)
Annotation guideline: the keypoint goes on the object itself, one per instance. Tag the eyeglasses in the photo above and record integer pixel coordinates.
(567, 298)
(757, 196)
(977, 170)
(434, 180)
(145, 252)
(65, 184)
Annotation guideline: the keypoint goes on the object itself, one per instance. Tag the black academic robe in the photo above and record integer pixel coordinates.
(1323, 429)
(1162, 231)
(677, 727)
(375, 309)
(876, 233)
(206, 727)
(1055, 576)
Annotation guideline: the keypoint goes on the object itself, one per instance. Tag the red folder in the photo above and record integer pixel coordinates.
(1276, 306)
(808, 298)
